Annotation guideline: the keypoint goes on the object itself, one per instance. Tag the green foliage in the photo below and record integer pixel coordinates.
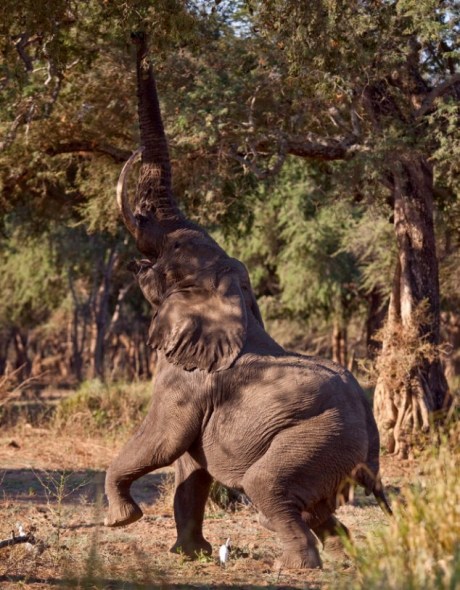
(316, 276)
(369, 237)
(308, 255)
(31, 283)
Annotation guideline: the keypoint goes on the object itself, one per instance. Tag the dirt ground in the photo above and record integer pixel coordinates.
(53, 486)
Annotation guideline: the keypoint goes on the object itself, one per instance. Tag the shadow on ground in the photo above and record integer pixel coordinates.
(68, 487)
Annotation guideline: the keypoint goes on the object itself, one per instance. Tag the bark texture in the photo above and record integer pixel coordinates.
(411, 390)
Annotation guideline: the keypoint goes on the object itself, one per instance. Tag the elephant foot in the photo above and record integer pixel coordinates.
(122, 512)
(306, 559)
(192, 548)
(334, 547)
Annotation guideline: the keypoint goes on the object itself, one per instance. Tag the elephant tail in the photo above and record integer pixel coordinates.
(382, 500)
(368, 477)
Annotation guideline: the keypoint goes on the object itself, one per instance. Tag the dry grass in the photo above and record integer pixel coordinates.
(98, 407)
(421, 547)
(11, 386)
(404, 348)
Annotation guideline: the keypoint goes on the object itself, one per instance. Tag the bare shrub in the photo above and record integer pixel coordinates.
(10, 387)
(405, 348)
(222, 497)
(98, 407)
(405, 405)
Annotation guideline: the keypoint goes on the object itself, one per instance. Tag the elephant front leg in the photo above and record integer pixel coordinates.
(192, 489)
(171, 426)
(146, 451)
(132, 462)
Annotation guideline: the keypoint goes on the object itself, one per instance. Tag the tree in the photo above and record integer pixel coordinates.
(379, 85)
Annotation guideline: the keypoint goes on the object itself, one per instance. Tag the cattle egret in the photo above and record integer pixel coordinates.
(224, 552)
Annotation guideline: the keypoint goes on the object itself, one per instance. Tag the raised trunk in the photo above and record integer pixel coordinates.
(411, 390)
(154, 188)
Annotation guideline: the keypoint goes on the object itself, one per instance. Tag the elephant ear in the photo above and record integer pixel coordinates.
(201, 326)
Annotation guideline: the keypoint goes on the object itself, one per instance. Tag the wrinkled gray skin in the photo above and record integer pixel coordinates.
(229, 403)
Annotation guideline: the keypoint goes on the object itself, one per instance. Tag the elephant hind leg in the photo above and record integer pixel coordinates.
(192, 489)
(332, 533)
(282, 515)
(328, 528)
(299, 543)
(299, 474)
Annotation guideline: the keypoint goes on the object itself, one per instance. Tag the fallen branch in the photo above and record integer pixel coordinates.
(15, 540)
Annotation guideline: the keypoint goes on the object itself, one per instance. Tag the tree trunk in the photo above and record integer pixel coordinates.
(5, 340)
(23, 363)
(101, 316)
(411, 390)
(78, 330)
(376, 312)
(339, 343)
(451, 329)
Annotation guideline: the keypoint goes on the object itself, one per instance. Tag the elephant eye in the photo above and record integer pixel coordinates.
(176, 246)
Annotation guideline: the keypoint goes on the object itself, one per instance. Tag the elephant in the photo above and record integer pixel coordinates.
(229, 403)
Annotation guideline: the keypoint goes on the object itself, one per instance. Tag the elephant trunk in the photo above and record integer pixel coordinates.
(154, 191)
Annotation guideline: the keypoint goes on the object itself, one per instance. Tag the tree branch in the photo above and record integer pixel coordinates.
(21, 43)
(308, 146)
(258, 172)
(436, 93)
(12, 132)
(117, 154)
(319, 148)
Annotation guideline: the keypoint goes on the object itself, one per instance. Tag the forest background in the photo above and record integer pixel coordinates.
(318, 142)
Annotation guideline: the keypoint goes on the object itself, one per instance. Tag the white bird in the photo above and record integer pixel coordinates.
(21, 531)
(224, 552)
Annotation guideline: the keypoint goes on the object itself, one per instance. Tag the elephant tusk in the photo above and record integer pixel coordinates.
(122, 193)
